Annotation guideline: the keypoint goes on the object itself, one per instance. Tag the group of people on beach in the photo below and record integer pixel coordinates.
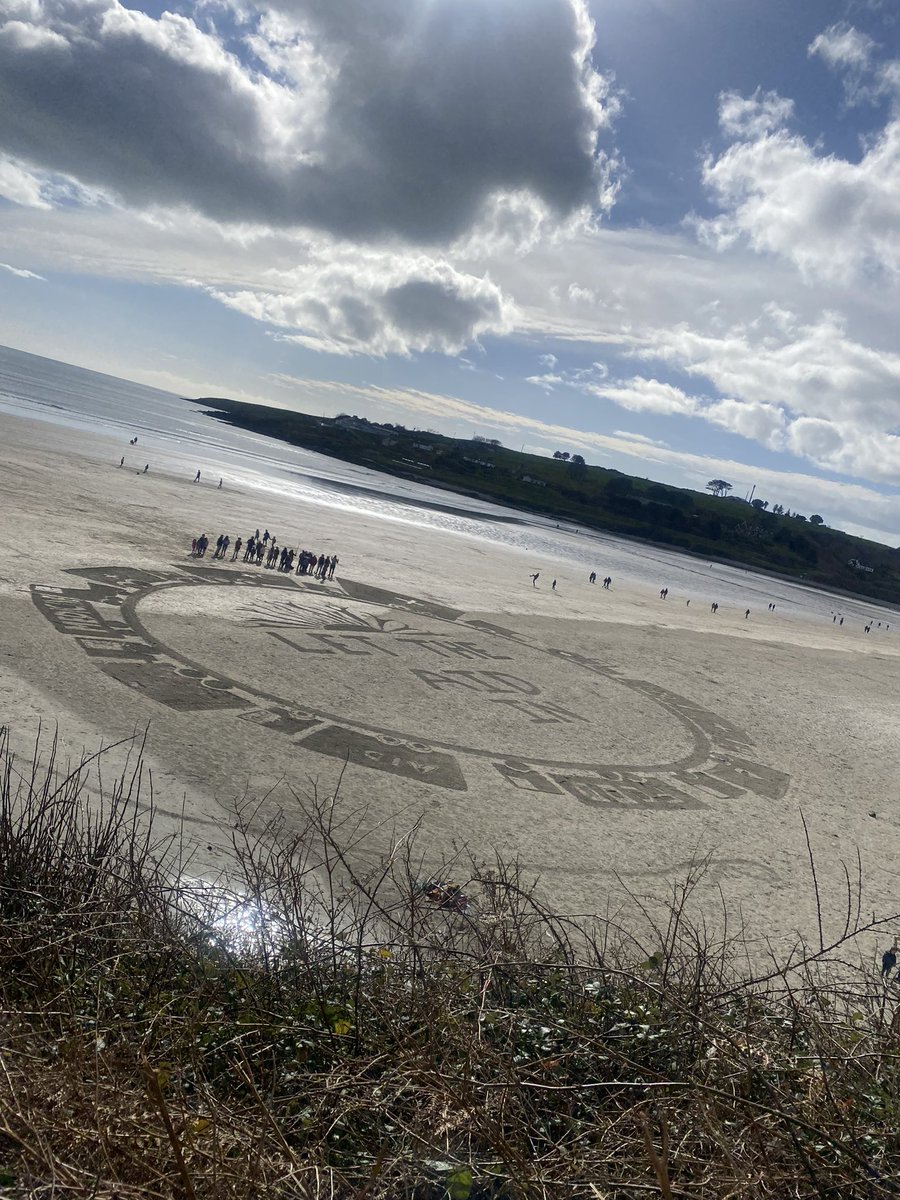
(264, 547)
(836, 618)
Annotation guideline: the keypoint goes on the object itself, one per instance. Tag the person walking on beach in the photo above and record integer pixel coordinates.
(592, 578)
(535, 577)
(746, 614)
(218, 545)
(197, 477)
(553, 586)
(220, 485)
(193, 547)
(122, 461)
(237, 549)
(260, 551)
(332, 566)
(889, 961)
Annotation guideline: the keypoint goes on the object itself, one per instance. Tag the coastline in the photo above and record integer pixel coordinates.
(595, 499)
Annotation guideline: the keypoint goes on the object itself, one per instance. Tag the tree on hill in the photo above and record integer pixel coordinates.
(760, 504)
(815, 519)
(561, 454)
(577, 460)
(719, 487)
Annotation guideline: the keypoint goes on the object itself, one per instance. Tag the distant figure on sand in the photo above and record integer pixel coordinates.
(553, 586)
(888, 961)
(592, 578)
(220, 485)
(197, 477)
(146, 468)
(746, 614)
(122, 461)
(535, 577)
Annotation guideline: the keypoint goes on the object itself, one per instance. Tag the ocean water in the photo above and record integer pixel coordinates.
(46, 390)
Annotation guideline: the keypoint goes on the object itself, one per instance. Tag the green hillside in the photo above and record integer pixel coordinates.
(593, 497)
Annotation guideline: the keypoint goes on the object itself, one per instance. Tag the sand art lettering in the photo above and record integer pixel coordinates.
(552, 710)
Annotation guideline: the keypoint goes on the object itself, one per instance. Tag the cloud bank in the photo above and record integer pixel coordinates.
(364, 119)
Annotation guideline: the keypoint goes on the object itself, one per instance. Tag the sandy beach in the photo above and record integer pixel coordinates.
(607, 738)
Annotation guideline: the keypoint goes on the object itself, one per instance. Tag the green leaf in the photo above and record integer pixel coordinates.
(459, 1184)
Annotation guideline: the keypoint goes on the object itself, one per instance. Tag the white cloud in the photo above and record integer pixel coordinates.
(646, 395)
(832, 217)
(816, 370)
(20, 185)
(21, 272)
(763, 423)
(843, 46)
(753, 116)
(637, 437)
(547, 381)
(815, 438)
(371, 303)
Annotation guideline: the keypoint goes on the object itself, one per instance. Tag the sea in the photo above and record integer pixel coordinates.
(171, 427)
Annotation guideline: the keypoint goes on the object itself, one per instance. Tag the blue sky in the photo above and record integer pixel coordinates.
(662, 233)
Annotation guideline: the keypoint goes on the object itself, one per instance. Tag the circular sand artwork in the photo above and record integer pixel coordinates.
(402, 685)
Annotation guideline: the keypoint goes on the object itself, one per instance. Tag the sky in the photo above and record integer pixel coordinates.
(664, 234)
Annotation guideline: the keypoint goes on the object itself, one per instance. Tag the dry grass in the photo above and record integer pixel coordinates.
(349, 1038)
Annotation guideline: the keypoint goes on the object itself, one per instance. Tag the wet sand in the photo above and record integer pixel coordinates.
(607, 738)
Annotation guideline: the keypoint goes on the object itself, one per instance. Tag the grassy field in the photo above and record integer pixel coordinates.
(296, 1029)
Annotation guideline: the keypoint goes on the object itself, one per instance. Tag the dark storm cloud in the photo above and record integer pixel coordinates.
(363, 118)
